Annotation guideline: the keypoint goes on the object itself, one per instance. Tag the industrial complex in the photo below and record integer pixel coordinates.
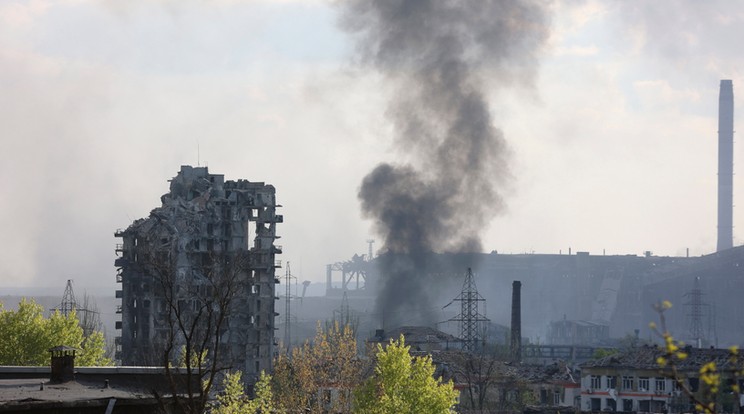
(571, 298)
(207, 257)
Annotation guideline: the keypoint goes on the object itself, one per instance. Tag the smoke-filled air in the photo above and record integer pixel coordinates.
(442, 59)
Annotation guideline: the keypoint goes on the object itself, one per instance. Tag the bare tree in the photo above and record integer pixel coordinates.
(90, 316)
(480, 372)
(197, 299)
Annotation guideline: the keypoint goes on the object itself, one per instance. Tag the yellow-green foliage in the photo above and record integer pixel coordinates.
(26, 336)
(600, 353)
(329, 361)
(404, 385)
(705, 400)
(196, 359)
(233, 400)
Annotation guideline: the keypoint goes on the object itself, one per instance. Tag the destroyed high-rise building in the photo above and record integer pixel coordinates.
(206, 257)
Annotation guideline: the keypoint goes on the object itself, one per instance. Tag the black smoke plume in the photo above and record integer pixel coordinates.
(441, 57)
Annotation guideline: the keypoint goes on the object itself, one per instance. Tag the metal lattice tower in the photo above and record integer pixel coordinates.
(68, 303)
(469, 318)
(287, 300)
(695, 310)
(370, 255)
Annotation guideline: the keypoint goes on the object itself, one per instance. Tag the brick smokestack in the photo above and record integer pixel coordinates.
(516, 322)
(725, 165)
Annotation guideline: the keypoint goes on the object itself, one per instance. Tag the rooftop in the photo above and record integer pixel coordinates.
(25, 391)
(29, 388)
(645, 358)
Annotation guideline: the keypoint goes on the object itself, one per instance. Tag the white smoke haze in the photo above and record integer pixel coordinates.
(90, 139)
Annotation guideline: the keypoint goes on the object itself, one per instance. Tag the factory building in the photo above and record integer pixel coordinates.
(205, 257)
(586, 299)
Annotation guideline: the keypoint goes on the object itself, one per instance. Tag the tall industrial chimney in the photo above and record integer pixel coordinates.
(725, 165)
(516, 322)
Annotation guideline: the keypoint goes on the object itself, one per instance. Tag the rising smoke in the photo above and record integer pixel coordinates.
(440, 56)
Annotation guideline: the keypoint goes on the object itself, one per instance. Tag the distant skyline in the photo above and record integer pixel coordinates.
(614, 149)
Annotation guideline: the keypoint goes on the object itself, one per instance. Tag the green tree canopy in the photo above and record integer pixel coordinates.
(232, 399)
(600, 353)
(404, 385)
(26, 336)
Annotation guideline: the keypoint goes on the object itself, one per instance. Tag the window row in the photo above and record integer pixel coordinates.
(628, 383)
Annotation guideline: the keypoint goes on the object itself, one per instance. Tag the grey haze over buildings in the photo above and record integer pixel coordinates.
(614, 148)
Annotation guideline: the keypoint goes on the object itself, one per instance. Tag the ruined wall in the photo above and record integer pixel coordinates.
(204, 228)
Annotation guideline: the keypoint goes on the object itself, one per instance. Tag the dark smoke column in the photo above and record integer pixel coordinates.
(440, 57)
(725, 165)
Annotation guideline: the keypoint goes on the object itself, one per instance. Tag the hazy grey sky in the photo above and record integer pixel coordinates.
(100, 103)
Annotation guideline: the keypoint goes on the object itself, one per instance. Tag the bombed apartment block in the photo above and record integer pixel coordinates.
(200, 271)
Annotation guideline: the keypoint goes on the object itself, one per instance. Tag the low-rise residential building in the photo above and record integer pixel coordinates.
(633, 381)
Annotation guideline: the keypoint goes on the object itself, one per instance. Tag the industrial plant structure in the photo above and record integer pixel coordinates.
(579, 299)
(205, 257)
(568, 299)
(586, 299)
